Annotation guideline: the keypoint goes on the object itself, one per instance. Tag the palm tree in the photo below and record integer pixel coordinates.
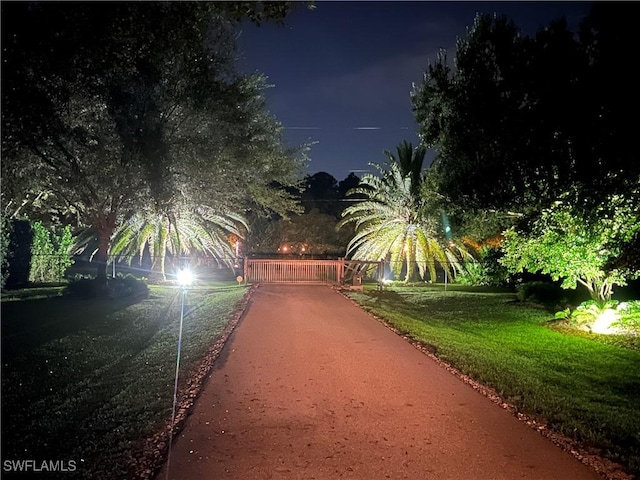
(410, 162)
(184, 232)
(394, 222)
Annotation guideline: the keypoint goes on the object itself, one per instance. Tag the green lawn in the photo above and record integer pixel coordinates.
(586, 389)
(88, 380)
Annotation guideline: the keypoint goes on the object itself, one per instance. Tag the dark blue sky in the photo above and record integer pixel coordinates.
(342, 73)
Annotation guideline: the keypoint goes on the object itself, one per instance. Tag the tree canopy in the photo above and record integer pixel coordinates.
(518, 121)
(574, 248)
(112, 107)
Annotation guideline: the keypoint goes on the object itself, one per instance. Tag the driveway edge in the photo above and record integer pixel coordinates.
(607, 469)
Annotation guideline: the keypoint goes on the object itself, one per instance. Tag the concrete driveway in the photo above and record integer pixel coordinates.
(309, 386)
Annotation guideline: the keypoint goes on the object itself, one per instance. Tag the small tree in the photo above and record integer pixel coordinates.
(49, 253)
(394, 222)
(574, 249)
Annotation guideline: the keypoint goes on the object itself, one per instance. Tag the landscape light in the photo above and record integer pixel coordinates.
(185, 277)
(602, 325)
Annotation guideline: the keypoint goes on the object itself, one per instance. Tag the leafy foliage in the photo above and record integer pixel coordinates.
(50, 253)
(486, 270)
(310, 230)
(510, 123)
(574, 249)
(629, 317)
(624, 317)
(117, 106)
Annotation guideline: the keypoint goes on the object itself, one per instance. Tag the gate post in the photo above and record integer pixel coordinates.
(246, 269)
(380, 274)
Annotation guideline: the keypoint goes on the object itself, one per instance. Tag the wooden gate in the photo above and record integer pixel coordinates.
(337, 272)
(293, 271)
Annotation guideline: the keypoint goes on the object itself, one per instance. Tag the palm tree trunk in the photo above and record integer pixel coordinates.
(163, 252)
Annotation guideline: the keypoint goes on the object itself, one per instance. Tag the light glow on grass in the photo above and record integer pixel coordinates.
(603, 323)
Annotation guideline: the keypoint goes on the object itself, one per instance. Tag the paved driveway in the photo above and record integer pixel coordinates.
(311, 387)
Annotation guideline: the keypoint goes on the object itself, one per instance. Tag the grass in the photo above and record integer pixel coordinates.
(586, 389)
(89, 380)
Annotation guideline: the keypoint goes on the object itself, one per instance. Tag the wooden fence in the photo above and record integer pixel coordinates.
(293, 271)
(306, 271)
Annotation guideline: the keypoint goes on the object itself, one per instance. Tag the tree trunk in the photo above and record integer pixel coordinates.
(599, 290)
(105, 231)
(163, 255)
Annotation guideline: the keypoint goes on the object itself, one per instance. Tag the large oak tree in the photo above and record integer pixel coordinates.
(107, 107)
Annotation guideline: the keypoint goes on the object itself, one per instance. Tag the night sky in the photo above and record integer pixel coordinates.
(342, 73)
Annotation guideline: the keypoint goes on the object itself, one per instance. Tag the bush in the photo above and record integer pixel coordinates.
(629, 317)
(49, 253)
(547, 294)
(487, 271)
(119, 287)
(474, 274)
(587, 312)
(127, 286)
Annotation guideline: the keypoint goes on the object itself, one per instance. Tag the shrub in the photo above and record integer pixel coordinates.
(127, 286)
(122, 286)
(84, 287)
(625, 316)
(49, 253)
(548, 294)
(486, 271)
(629, 317)
(473, 273)
(587, 312)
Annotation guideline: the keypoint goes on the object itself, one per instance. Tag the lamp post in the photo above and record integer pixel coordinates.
(185, 278)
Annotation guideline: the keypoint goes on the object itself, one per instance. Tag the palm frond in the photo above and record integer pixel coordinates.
(392, 222)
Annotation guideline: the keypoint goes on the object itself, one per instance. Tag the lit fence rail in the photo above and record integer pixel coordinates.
(293, 271)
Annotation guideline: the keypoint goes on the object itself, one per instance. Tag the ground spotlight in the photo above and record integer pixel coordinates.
(185, 277)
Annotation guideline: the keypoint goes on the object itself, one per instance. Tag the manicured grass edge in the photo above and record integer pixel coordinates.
(145, 462)
(605, 467)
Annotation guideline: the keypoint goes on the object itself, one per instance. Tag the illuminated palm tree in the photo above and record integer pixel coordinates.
(185, 232)
(394, 223)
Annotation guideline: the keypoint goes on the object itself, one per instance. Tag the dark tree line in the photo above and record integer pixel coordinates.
(518, 121)
(311, 231)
